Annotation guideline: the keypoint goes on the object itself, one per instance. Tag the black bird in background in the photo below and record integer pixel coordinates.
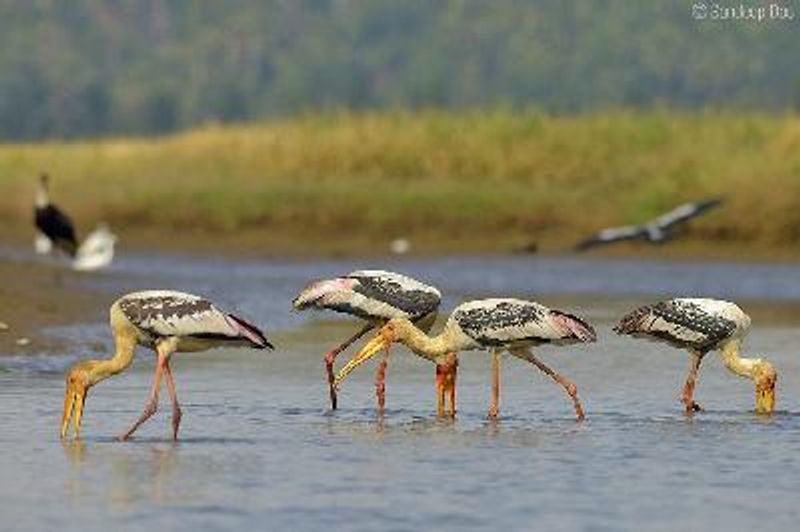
(55, 227)
(656, 231)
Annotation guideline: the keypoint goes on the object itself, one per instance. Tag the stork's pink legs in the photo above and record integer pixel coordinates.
(691, 382)
(380, 381)
(446, 374)
(330, 357)
(494, 406)
(173, 395)
(151, 406)
(568, 386)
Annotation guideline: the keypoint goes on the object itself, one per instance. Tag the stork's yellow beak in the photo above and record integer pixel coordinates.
(374, 346)
(765, 397)
(74, 398)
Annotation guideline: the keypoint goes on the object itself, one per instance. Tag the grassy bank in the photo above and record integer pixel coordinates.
(495, 179)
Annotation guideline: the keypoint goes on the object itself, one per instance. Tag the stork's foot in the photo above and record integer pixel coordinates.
(494, 412)
(149, 409)
(380, 386)
(176, 421)
(330, 356)
(572, 391)
(692, 407)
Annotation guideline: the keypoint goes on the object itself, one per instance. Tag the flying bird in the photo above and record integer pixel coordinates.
(512, 325)
(375, 296)
(700, 326)
(166, 322)
(656, 231)
(54, 227)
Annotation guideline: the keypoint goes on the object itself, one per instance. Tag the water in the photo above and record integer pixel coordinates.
(259, 448)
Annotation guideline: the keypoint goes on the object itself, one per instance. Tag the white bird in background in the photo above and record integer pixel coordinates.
(657, 231)
(700, 326)
(166, 322)
(96, 251)
(54, 228)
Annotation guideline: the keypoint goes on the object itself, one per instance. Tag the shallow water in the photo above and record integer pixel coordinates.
(259, 448)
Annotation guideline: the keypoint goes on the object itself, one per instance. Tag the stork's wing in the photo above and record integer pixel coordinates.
(682, 323)
(499, 322)
(168, 313)
(684, 213)
(58, 227)
(371, 294)
(611, 235)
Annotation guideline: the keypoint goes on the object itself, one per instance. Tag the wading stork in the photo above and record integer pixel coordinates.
(513, 325)
(166, 322)
(700, 326)
(54, 227)
(375, 296)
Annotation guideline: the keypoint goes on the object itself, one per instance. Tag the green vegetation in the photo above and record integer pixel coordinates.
(479, 179)
(92, 67)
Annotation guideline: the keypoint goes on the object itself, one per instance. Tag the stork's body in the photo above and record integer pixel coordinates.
(513, 325)
(701, 326)
(375, 296)
(54, 227)
(166, 322)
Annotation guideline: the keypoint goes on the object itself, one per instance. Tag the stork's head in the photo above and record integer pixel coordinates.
(393, 331)
(80, 378)
(765, 378)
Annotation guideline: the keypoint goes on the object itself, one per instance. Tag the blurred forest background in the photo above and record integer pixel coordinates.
(463, 124)
(85, 68)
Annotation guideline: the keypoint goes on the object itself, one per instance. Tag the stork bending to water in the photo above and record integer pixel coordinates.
(166, 322)
(700, 326)
(513, 325)
(374, 296)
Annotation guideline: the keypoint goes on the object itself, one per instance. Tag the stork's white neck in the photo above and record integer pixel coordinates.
(432, 348)
(743, 367)
(123, 356)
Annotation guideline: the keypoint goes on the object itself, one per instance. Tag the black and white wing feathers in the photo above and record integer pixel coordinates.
(505, 322)
(56, 226)
(165, 314)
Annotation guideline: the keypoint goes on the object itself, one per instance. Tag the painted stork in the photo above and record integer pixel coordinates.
(513, 325)
(54, 227)
(166, 322)
(700, 326)
(374, 296)
(656, 231)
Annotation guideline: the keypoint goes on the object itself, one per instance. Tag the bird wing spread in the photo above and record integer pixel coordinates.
(684, 213)
(610, 235)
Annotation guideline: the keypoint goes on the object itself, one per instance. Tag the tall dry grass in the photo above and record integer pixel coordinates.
(492, 174)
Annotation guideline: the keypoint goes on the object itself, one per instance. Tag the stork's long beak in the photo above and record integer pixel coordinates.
(374, 346)
(765, 397)
(73, 409)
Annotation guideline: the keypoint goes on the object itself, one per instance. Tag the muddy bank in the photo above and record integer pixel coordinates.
(35, 296)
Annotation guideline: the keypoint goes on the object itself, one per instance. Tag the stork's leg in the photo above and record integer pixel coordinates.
(173, 395)
(452, 383)
(691, 382)
(568, 386)
(151, 406)
(331, 355)
(380, 381)
(446, 374)
(494, 406)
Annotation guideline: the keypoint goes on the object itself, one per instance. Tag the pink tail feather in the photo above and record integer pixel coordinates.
(574, 325)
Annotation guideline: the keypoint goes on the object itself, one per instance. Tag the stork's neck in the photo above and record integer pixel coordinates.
(431, 348)
(744, 367)
(125, 347)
